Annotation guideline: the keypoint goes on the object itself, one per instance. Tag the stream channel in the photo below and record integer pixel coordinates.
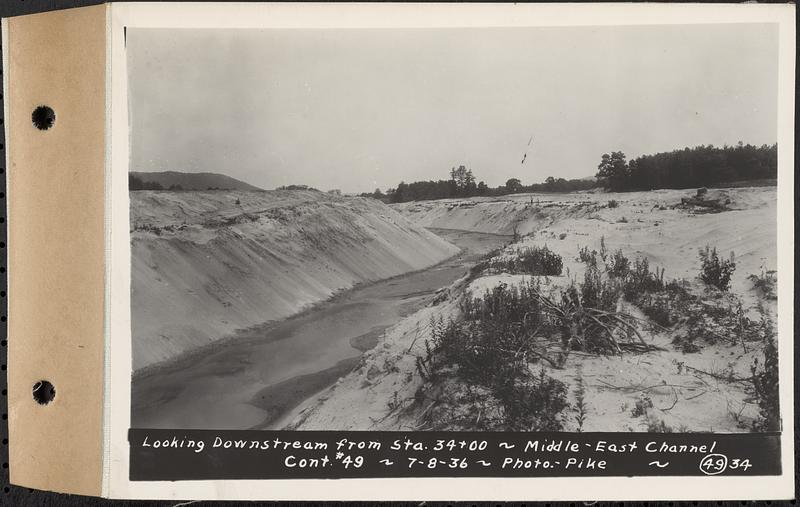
(260, 379)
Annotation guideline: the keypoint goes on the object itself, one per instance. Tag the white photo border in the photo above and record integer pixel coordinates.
(118, 366)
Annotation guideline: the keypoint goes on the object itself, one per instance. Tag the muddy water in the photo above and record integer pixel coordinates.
(253, 381)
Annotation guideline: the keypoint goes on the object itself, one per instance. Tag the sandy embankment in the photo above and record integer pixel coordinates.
(643, 224)
(206, 264)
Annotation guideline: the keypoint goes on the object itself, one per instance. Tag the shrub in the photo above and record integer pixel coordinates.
(686, 344)
(659, 309)
(643, 404)
(597, 291)
(637, 284)
(532, 404)
(612, 203)
(765, 383)
(711, 320)
(620, 266)
(493, 346)
(677, 289)
(714, 270)
(587, 257)
(500, 334)
(589, 320)
(641, 280)
(765, 283)
(580, 401)
(534, 260)
(495, 332)
(603, 250)
(540, 261)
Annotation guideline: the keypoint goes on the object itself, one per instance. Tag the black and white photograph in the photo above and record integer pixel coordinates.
(519, 229)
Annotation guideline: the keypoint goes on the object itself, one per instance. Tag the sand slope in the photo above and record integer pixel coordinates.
(206, 264)
(668, 237)
(380, 393)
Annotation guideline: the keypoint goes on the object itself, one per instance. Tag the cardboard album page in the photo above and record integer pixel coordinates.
(55, 87)
(402, 252)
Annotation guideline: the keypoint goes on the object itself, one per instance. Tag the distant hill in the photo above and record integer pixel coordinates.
(188, 181)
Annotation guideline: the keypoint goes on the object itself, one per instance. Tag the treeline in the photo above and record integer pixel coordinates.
(296, 187)
(136, 183)
(462, 184)
(700, 166)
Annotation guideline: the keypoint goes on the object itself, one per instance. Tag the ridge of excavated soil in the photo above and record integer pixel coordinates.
(380, 393)
(206, 264)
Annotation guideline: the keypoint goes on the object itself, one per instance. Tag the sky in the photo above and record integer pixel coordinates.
(359, 109)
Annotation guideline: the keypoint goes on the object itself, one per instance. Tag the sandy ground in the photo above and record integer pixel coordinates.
(208, 264)
(683, 390)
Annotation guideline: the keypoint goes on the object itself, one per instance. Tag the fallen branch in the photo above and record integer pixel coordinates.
(673, 403)
(645, 389)
(729, 378)
(424, 412)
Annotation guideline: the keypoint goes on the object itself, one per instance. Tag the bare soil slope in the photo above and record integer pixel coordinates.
(206, 264)
(669, 389)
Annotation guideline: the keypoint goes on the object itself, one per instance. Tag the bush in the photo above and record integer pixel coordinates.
(495, 331)
(641, 280)
(589, 320)
(603, 250)
(686, 344)
(765, 383)
(715, 271)
(620, 266)
(659, 309)
(612, 203)
(639, 285)
(642, 405)
(587, 257)
(580, 401)
(598, 292)
(765, 283)
(534, 260)
(493, 346)
(534, 404)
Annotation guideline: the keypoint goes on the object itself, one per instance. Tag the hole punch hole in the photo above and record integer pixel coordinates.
(43, 117)
(43, 392)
